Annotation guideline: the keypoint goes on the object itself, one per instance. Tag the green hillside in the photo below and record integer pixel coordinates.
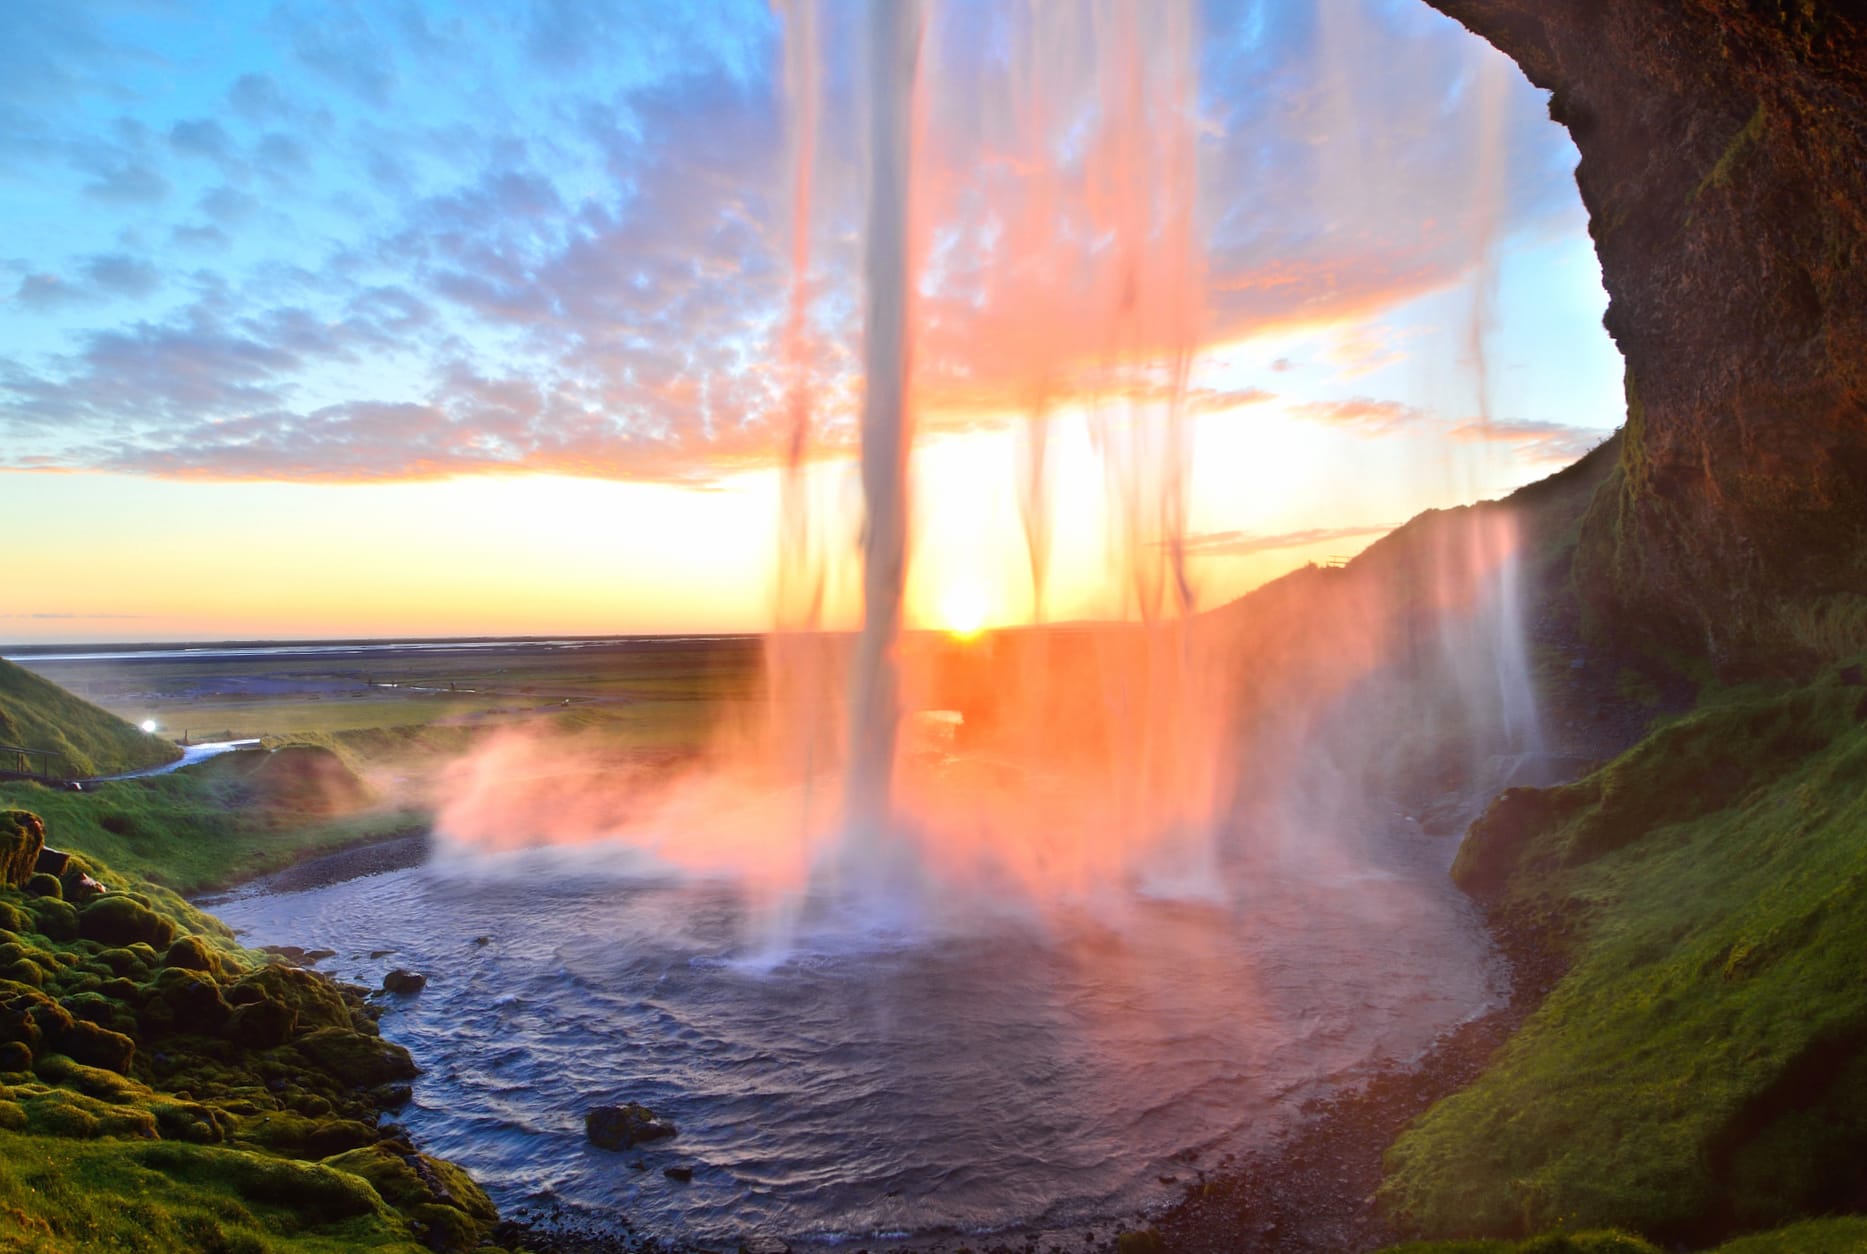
(37, 714)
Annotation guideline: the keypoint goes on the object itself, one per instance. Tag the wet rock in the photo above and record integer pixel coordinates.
(404, 982)
(763, 1243)
(319, 955)
(680, 1175)
(623, 1127)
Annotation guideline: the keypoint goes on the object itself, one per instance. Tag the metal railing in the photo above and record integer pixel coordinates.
(19, 760)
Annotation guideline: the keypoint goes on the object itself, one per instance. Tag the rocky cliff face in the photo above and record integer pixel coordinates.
(1724, 169)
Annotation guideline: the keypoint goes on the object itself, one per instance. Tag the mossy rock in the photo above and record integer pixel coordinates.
(186, 1002)
(449, 1210)
(302, 1136)
(190, 1121)
(354, 1059)
(118, 919)
(43, 885)
(191, 953)
(124, 962)
(96, 1046)
(54, 919)
(15, 1057)
(93, 1007)
(262, 1024)
(318, 1193)
(14, 919)
(22, 836)
(315, 1001)
(60, 1112)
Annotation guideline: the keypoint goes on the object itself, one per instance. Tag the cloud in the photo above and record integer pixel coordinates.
(112, 274)
(1534, 441)
(257, 98)
(1361, 414)
(132, 183)
(1245, 543)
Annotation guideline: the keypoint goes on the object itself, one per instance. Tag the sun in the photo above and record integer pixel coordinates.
(963, 610)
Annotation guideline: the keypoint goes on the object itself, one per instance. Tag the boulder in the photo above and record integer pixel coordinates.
(116, 919)
(680, 1175)
(622, 1127)
(22, 836)
(404, 982)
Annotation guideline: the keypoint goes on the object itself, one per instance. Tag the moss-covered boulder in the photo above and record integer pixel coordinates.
(191, 953)
(96, 1046)
(22, 836)
(355, 1059)
(41, 884)
(117, 919)
(448, 1210)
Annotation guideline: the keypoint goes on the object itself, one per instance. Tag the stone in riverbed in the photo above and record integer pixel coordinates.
(621, 1127)
(400, 981)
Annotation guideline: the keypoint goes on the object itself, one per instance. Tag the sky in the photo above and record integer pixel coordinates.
(417, 318)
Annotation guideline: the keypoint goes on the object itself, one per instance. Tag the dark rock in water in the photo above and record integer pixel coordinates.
(394, 1096)
(763, 1243)
(400, 981)
(482, 941)
(319, 955)
(380, 953)
(622, 1127)
(291, 953)
(637, 1165)
(681, 1175)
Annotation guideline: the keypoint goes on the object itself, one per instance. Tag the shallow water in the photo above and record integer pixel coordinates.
(1010, 1070)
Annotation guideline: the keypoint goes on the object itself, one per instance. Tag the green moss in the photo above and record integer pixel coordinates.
(354, 1059)
(119, 920)
(22, 835)
(1699, 1067)
(447, 1208)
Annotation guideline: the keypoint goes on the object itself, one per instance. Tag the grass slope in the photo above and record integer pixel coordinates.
(1701, 1069)
(37, 714)
(212, 824)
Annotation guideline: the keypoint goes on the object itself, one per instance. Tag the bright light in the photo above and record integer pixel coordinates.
(149, 725)
(963, 610)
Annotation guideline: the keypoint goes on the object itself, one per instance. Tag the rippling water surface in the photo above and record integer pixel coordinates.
(1013, 1071)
